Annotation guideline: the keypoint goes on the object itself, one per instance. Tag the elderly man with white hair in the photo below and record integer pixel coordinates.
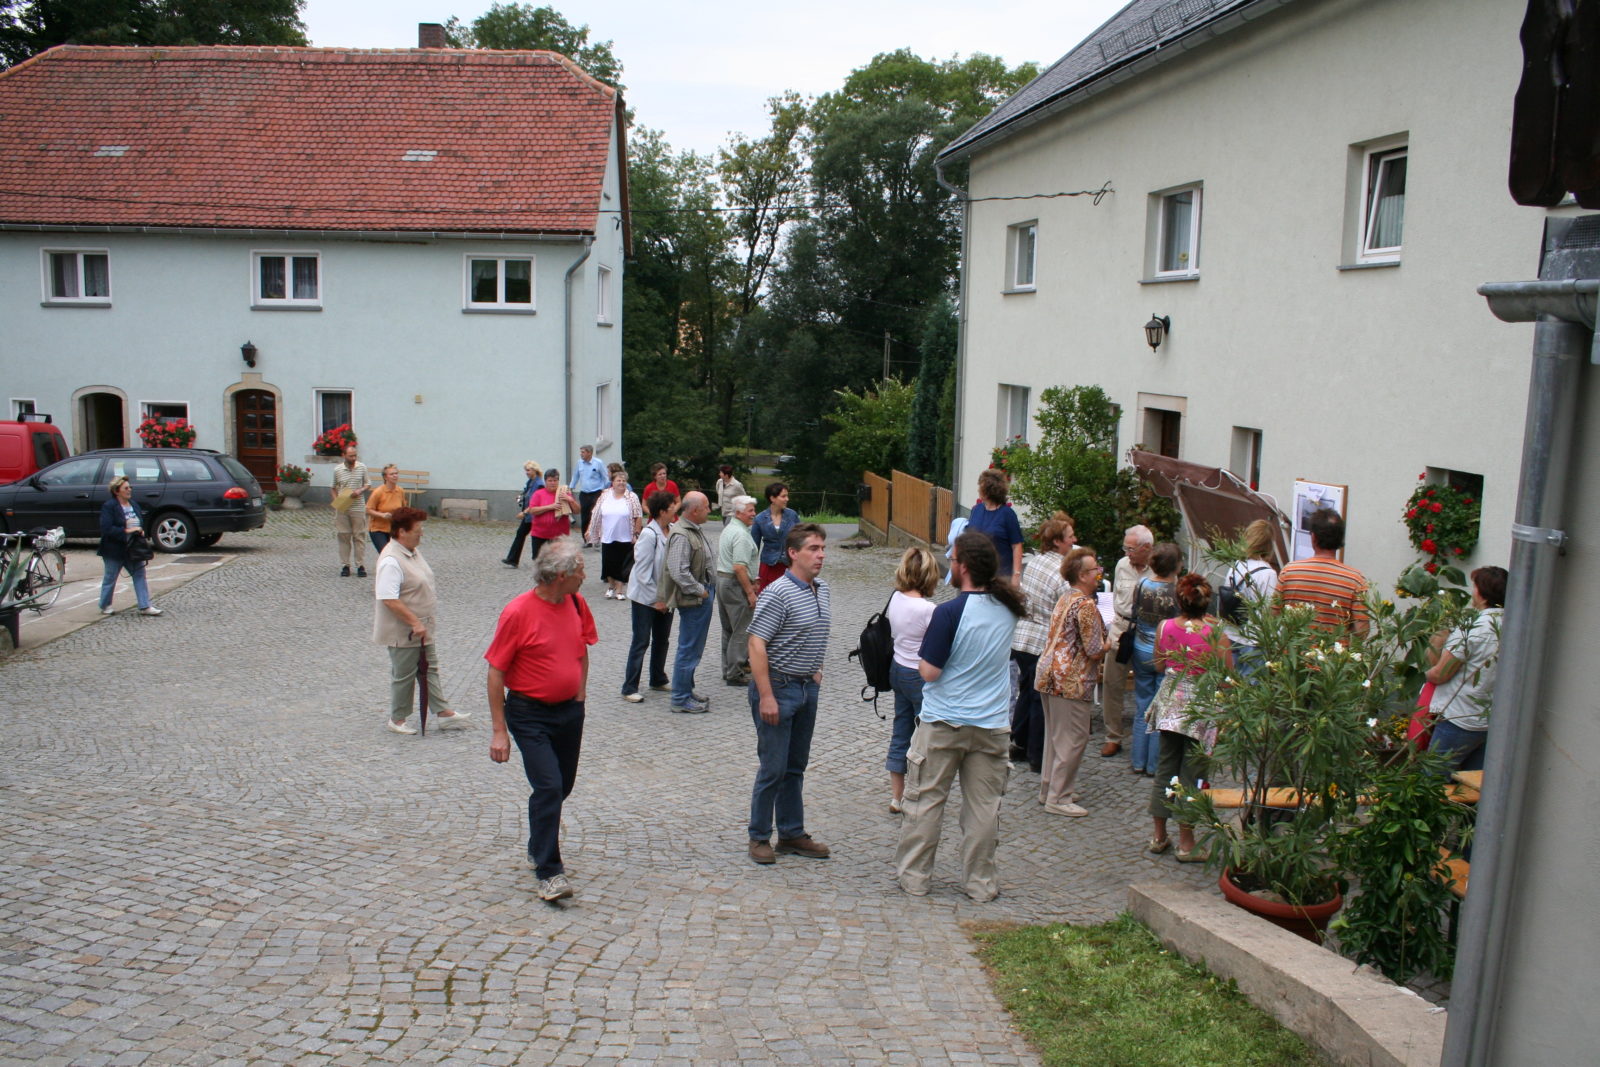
(738, 568)
(1137, 541)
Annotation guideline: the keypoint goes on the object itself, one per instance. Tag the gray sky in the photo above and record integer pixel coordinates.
(698, 71)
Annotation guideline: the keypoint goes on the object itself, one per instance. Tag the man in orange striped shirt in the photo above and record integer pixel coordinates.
(1334, 589)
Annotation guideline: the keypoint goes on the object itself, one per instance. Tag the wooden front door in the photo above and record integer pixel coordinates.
(255, 434)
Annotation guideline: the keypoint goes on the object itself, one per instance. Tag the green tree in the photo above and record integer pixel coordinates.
(928, 442)
(1073, 468)
(525, 27)
(29, 28)
(869, 427)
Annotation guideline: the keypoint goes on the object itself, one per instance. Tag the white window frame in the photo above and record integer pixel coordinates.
(1022, 251)
(316, 406)
(603, 414)
(1163, 201)
(1012, 414)
(288, 300)
(500, 304)
(1373, 167)
(603, 295)
(51, 299)
(17, 410)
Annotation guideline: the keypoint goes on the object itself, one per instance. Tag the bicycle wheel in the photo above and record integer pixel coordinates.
(42, 581)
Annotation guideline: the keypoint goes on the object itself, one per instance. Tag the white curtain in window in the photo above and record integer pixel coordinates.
(1176, 228)
(485, 281)
(1388, 203)
(96, 275)
(272, 278)
(63, 275)
(305, 277)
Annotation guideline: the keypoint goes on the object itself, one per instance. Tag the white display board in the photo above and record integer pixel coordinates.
(1309, 497)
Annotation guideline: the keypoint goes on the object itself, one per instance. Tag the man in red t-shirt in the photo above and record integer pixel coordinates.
(538, 677)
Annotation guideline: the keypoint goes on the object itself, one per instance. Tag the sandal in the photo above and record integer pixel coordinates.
(1156, 848)
(1194, 855)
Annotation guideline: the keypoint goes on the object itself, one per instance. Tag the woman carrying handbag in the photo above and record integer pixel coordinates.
(124, 546)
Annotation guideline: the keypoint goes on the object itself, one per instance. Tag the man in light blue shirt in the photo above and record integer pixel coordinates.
(965, 723)
(589, 480)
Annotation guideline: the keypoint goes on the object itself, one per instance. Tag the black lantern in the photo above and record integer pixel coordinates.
(248, 351)
(1156, 330)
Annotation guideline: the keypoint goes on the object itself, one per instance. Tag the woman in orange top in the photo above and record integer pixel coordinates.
(381, 505)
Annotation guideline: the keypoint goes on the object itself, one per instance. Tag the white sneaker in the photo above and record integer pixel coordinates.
(556, 887)
(401, 727)
(108, 611)
(633, 698)
(453, 720)
(1069, 808)
(149, 611)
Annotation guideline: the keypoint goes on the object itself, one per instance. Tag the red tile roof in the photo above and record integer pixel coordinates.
(305, 139)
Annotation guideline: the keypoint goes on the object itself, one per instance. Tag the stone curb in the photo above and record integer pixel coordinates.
(1351, 1015)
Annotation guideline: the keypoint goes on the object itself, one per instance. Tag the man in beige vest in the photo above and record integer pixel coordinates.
(687, 574)
(404, 621)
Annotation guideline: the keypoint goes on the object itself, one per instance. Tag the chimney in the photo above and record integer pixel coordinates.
(430, 35)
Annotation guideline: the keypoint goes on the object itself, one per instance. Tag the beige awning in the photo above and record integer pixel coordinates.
(1213, 502)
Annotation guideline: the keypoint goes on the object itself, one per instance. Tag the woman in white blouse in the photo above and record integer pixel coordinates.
(910, 608)
(614, 523)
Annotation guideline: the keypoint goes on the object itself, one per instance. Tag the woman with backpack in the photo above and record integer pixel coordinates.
(1247, 583)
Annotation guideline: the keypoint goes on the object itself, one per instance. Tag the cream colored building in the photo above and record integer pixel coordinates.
(1311, 191)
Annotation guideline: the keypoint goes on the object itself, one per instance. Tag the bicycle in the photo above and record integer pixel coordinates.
(44, 572)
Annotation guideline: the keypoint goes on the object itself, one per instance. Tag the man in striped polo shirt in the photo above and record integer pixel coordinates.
(788, 639)
(1334, 589)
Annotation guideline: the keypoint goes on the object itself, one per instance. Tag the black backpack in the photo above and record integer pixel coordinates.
(1230, 604)
(875, 650)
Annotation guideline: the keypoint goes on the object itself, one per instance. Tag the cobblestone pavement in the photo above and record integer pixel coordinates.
(215, 853)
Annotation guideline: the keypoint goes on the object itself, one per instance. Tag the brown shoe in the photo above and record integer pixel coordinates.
(1110, 748)
(761, 852)
(803, 846)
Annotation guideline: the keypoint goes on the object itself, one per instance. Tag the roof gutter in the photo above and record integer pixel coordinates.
(566, 344)
(1158, 54)
(321, 235)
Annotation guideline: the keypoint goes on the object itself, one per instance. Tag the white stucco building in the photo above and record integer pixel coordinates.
(426, 243)
(1311, 191)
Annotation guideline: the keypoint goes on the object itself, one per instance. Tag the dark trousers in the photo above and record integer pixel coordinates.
(549, 736)
(514, 557)
(379, 538)
(586, 502)
(651, 629)
(1027, 714)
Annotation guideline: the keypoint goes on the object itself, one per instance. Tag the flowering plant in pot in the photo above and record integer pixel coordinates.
(1442, 522)
(293, 481)
(1304, 726)
(332, 442)
(173, 433)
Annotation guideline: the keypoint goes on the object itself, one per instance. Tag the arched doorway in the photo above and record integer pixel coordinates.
(255, 433)
(102, 420)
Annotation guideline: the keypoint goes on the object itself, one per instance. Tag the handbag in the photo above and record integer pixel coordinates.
(1125, 639)
(140, 550)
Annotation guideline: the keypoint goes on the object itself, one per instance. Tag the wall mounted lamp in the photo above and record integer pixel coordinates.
(248, 351)
(1156, 330)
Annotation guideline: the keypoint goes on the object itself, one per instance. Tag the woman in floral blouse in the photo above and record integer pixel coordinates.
(1069, 667)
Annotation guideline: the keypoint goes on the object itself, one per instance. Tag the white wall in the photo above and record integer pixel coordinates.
(1357, 377)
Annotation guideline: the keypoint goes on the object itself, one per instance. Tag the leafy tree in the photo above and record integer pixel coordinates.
(525, 27)
(1073, 468)
(869, 428)
(29, 28)
(928, 442)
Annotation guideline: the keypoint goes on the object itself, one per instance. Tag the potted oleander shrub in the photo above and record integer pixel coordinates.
(1307, 732)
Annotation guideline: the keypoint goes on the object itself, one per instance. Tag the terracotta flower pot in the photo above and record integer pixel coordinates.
(1309, 921)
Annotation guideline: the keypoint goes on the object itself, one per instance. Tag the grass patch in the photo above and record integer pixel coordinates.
(1111, 995)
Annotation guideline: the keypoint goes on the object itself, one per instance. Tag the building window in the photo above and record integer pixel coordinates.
(1160, 424)
(603, 296)
(288, 279)
(335, 407)
(1011, 415)
(1022, 246)
(602, 413)
(1178, 233)
(166, 412)
(1384, 204)
(20, 408)
(77, 277)
(499, 284)
(1245, 456)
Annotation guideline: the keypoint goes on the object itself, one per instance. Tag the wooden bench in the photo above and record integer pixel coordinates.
(1288, 799)
(412, 483)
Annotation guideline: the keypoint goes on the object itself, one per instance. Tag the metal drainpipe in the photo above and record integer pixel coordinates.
(566, 344)
(961, 339)
(1558, 347)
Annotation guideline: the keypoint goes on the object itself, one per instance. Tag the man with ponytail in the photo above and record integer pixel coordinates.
(964, 725)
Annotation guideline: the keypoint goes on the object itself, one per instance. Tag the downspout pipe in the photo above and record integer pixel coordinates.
(566, 344)
(1565, 314)
(961, 337)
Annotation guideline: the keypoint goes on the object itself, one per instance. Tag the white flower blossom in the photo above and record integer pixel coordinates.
(1171, 793)
(1367, 683)
(1174, 780)
(1371, 722)
(1338, 646)
(1356, 656)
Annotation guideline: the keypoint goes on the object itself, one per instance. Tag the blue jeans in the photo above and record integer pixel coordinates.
(108, 584)
(651, 629)
(1027, 713)
(907, 682)
(549, 736)
(693, 625)
(1146, 680)
(783, 751)
(379, 538)
(1464, 749)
